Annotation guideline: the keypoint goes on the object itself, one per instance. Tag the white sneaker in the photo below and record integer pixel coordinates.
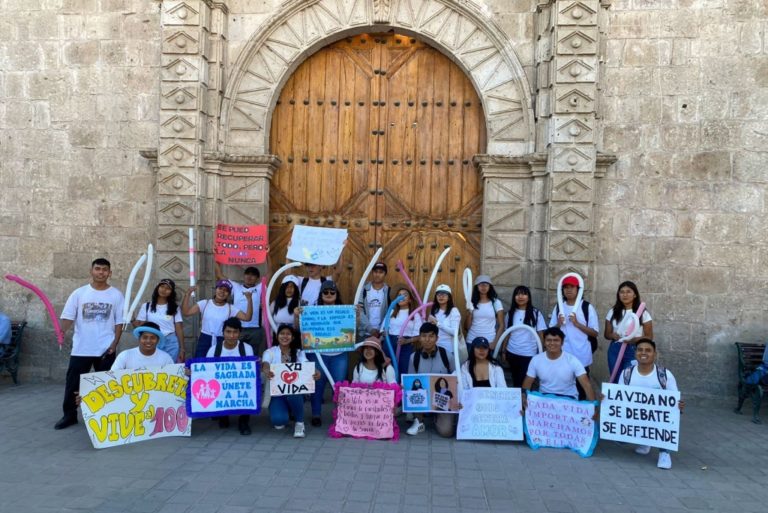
(643, 450)
(298, 430)
(416, 428)
(665, 460)
(279, 427)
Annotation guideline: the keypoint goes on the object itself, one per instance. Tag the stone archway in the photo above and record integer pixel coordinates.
(456, 28)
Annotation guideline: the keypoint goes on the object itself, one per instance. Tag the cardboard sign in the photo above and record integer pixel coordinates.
(126, 406)
(560, 422)
(490, 414)
(292, 378)
(224, 386)
(314, 245)
(430, 393)
(365, 411)
(328, 329)
(240, 245)
(643, 416)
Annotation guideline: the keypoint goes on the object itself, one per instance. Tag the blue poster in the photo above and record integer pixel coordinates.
(328, 329)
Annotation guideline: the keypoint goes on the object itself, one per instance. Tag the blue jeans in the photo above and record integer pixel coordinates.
(405, 355)
(613, 355)
(170, 346)
(337, 366)
(280, 406)
(204, 343)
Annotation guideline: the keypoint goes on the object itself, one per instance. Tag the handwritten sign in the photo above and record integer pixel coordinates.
(643, 416)
(224, 386)
(430, 393)
(314, 245)
(126, 406)
(240, 245)
(292, 378)
(561, 423)
(490, 414)
(365, 411)
(326, 329)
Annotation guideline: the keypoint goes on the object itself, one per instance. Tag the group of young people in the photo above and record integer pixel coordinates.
(230, 326)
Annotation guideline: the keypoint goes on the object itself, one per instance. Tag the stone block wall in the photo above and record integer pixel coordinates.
(683, 211)
(78, 98)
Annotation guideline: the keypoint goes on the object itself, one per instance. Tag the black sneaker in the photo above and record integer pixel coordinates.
(245, 430)
(223, 422)
(65, 422)
(317, 421)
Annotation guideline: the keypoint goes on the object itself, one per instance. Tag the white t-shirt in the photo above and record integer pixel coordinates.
(311, 290)
(651, 380)
(396, 324)
(373, 301)
(484, 320)
(645, 318)
(576, 341)
(213, 316)
(229, 353)
(283, 316)
(520, 342)
(133, 359)
(447, 326)
(160, 317)
(95, 314)
(556, 376)
(242, 304)
(273, 355)
(361, 374)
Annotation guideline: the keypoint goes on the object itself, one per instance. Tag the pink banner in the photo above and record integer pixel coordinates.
(240, 245)
(365, 411)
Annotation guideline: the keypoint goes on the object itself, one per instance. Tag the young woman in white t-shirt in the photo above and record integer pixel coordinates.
(373, 366)
(627, 300)
(411, 334)
(164, 311)
(287, 350)
(285, 303)
(519, 347)
(486, 317)
(445, 316)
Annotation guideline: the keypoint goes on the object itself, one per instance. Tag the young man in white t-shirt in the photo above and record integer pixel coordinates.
(146, 354)
(252, 332)
(647, 375)
(375, 299)
(232, 347)
(557, 370)
(96, 311)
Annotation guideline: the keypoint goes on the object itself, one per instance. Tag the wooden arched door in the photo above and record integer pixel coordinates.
(377, 134)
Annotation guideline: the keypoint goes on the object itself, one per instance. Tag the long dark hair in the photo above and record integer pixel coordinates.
(411, 306)
(295, 340)
(282, 300)
(173, 307)
(618, 308)
(448, 306)
(378, 361)
(472, 361)
(531, 313)
(492, 295)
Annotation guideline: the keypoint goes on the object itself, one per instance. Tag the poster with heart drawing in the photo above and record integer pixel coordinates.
(223, 386)
(292, 378)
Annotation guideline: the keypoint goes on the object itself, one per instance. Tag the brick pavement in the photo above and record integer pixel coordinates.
(721, 467)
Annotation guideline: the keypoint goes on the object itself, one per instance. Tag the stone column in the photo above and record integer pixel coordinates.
(512, 210)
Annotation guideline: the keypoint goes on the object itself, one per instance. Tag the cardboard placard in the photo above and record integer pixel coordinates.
(224, 386)
(315, 245)
(365, 411)
(241, 245)
(559, 422)
(430, 393)
(292, 378)
(490, 414)
(328, 329)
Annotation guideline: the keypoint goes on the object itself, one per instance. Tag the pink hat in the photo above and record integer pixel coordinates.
(371, 342)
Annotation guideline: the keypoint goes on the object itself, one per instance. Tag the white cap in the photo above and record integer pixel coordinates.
(443, 288)
(291, 278)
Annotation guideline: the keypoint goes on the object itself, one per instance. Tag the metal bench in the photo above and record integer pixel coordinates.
(9, 353)
(750, 357)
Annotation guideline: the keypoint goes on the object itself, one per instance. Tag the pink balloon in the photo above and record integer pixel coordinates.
(46, 302)
(265, 312)
(409, 282)
(421, 308)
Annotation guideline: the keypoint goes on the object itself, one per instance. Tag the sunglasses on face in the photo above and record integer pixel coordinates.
(329, 292)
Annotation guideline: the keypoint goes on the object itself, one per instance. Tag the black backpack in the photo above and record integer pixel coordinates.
(661, 375)
(585, 311)
(443, 356)
(220, 347)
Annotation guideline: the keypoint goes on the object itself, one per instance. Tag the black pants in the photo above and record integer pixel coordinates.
(82, 365)
(518, 366)
(582, 393)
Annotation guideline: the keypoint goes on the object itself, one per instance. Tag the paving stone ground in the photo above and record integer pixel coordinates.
(722, 467)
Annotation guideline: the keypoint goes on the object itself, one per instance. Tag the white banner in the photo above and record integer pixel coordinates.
(643, 416)
(490, 414)
(315, 245)
(292, 378)
(126, 406)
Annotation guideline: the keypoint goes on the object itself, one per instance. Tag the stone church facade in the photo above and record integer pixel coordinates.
(624, 141)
